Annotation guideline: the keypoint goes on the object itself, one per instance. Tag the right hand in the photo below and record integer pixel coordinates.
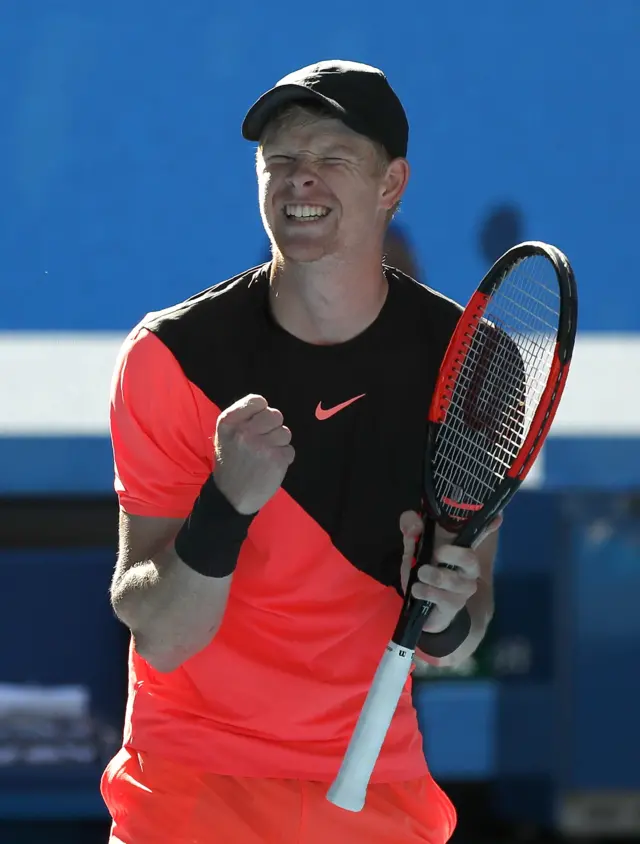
(253, 452)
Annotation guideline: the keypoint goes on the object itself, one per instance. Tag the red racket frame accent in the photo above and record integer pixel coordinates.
(471, 507)
(456, 350)
(542, 420)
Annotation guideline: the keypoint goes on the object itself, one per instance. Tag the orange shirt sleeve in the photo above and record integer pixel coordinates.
(162, 454)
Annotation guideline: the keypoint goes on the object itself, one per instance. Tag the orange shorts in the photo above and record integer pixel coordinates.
(154, 801)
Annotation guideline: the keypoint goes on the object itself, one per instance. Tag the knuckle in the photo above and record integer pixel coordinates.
(434, 578)
(421, 592)
(286, 436)
(254, 400)
(279, 436)
(276, 415)
(469, 565)
(246, 407)
(474, 571)
(423, 573)
(427, 592)
(425, 570)
(467, 557)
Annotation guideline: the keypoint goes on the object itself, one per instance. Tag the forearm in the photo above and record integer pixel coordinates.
(172, 611)
(174, 602)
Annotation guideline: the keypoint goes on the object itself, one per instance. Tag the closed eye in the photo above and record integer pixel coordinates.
(279, 159)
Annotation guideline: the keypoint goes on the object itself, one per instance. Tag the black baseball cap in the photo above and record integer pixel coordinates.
(358, 94)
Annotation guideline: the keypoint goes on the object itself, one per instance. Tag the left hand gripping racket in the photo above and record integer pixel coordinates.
(497, 392)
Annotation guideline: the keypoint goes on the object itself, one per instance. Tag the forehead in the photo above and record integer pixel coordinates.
(316, 134)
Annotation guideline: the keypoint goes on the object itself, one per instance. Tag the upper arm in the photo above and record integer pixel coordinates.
(142, 538)
(162, 455)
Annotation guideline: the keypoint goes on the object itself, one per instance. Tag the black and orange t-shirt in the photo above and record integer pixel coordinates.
(316, 593)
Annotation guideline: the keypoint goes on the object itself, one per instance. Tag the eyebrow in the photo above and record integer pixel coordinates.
(339, 148)
(332, 149)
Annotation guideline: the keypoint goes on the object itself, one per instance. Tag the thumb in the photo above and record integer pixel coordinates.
(411, 526)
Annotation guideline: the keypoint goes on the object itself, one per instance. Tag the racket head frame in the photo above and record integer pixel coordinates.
(468, 530)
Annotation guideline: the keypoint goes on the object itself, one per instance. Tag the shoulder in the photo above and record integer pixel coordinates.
(142, 360)
(435, 312)
(206, 342)
(206, 325)
(161, 338)
(220, 302)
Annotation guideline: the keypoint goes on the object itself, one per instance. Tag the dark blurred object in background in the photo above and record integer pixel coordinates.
(399, 251)
(501, 229)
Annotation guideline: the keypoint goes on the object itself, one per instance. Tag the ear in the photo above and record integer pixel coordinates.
(394, 182)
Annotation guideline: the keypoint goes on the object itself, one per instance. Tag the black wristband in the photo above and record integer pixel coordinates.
(209, 541)
(448, 640)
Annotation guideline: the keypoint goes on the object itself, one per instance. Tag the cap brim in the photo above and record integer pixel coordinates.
(263, 109)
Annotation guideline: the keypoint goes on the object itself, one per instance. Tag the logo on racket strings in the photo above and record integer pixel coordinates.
(455, 501)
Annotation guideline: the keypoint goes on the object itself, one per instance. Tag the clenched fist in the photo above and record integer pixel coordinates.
(253, 452)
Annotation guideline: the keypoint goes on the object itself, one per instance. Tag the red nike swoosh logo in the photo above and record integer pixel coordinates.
(323, 414)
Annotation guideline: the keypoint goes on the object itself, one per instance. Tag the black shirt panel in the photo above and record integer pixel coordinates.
(356, 471)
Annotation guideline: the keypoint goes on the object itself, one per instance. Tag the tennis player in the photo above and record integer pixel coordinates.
(268, 437)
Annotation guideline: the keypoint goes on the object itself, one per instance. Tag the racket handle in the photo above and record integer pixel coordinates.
(414, 613)
(349, 789)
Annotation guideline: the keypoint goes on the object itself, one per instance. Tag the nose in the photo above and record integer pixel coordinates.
(301, 174)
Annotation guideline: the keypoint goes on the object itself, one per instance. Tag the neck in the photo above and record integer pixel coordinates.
(327, 301)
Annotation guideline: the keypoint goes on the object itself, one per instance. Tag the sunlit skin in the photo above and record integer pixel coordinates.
(323, 163)
(327, 282)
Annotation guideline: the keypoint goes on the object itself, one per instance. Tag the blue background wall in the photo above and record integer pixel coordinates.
(126, 185)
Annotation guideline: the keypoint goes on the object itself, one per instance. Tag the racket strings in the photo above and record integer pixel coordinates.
(498, 387)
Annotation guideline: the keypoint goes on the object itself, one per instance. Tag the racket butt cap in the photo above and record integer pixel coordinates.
(346, 798)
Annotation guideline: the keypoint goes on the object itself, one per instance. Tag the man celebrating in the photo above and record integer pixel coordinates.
(268, 437)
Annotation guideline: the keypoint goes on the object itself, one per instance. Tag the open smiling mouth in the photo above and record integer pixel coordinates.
(306, 213)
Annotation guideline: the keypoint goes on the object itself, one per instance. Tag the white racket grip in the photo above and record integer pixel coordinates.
(349, 789)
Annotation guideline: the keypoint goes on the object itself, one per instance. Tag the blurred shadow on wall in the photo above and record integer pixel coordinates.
(501, 228)
(400, 253)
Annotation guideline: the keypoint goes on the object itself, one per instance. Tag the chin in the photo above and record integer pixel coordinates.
(300, 252)
(302, 255)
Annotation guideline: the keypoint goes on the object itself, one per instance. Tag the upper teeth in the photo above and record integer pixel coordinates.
(305, 211)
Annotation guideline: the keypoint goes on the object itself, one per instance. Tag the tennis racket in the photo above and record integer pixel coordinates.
(497, 392)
